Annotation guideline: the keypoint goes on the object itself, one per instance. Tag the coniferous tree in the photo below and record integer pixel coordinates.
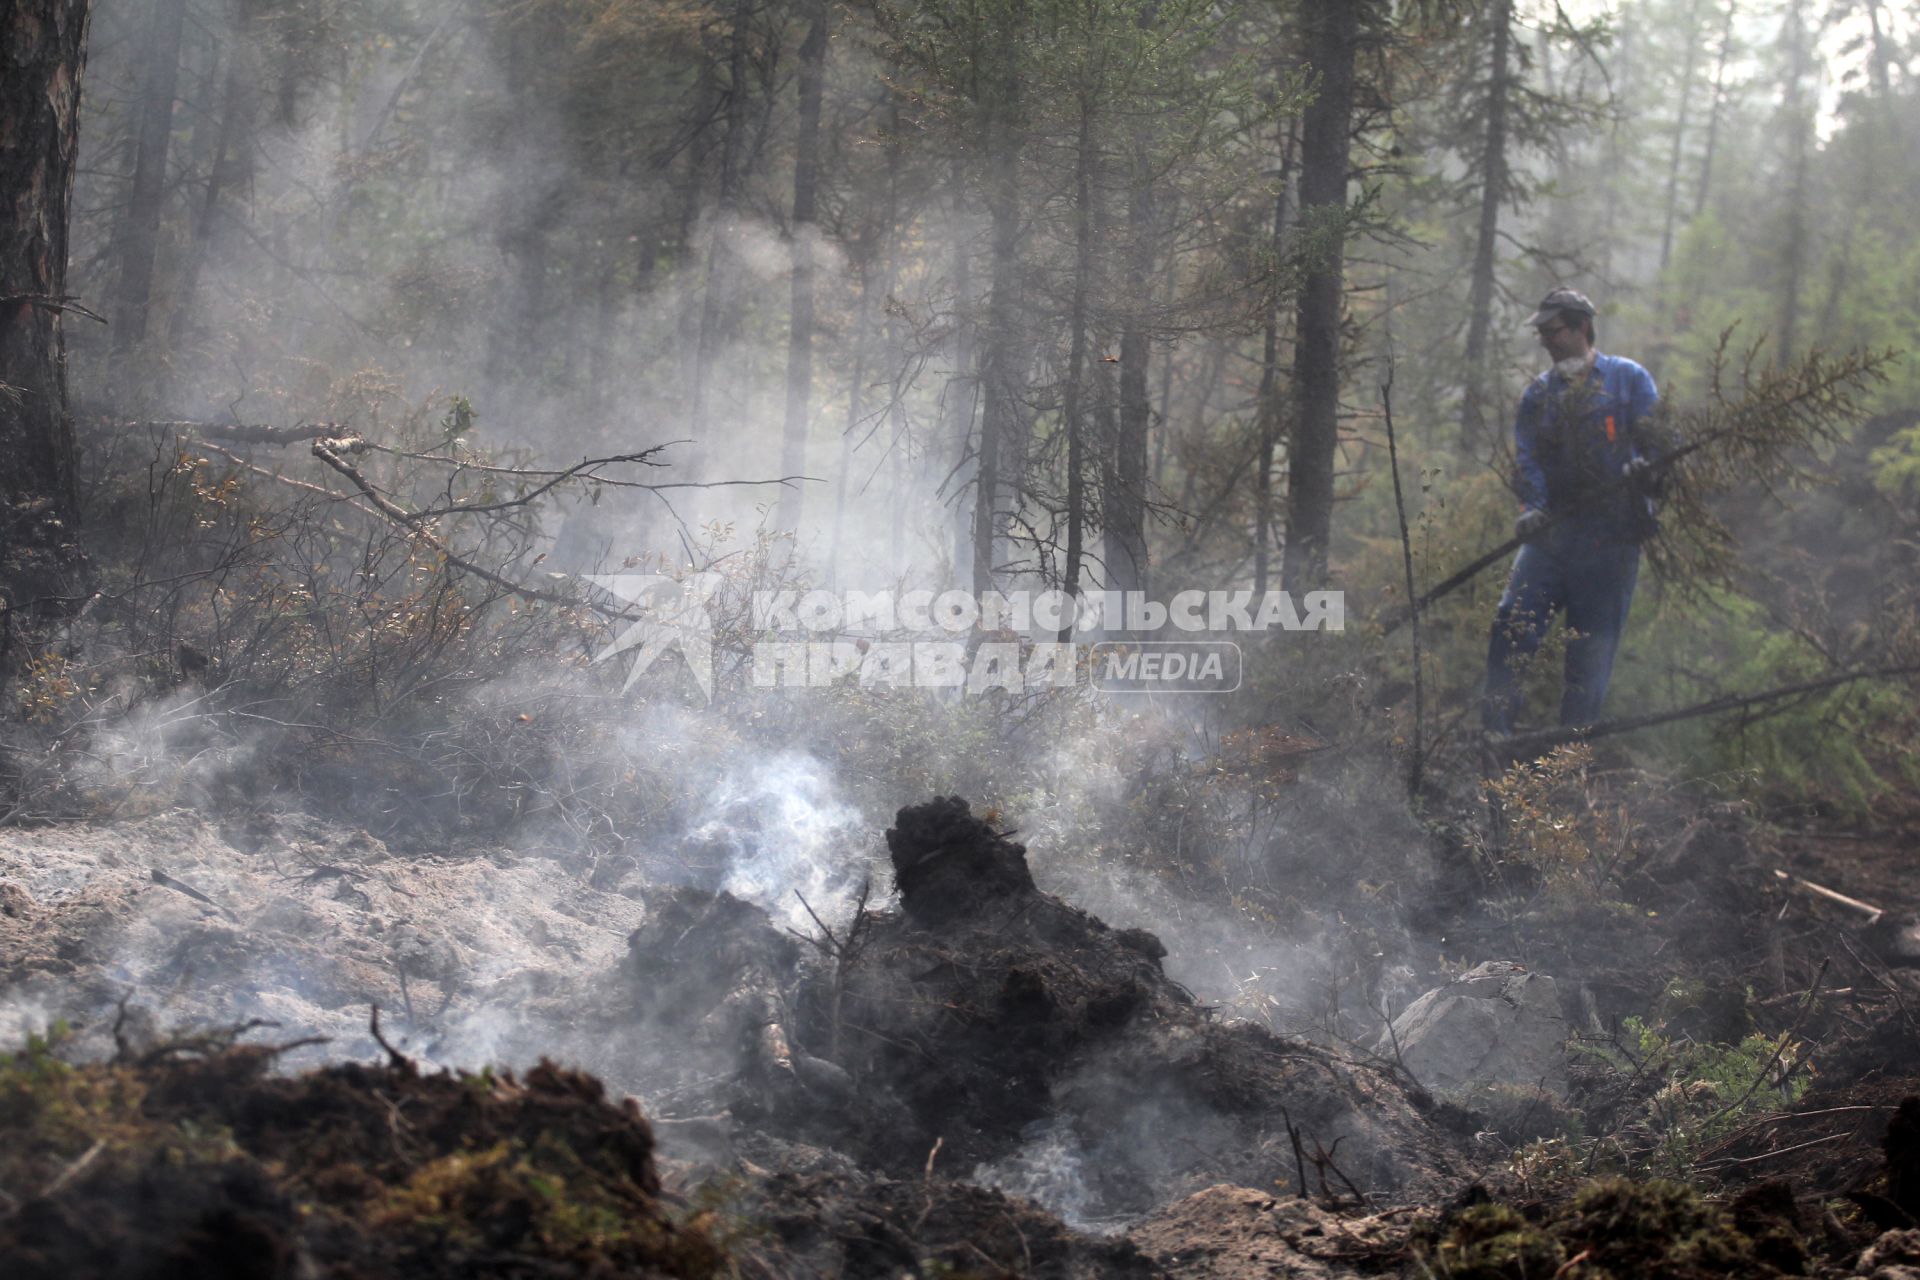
(1331, 45)
(39, 122)
(140, 229)
(1496, 191)
(803, 233)
(1796, 126)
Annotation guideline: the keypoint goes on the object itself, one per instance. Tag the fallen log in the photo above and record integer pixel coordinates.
(1539, 741)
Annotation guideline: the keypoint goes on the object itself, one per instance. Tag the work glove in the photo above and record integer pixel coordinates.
(1529, 523)
(1640, 475)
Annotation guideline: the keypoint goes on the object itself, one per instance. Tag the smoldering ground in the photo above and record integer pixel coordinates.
(350, 770)
(499, 958)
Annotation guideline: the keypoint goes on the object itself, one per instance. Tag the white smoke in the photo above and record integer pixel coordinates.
(787, 832)
(1050, 1170)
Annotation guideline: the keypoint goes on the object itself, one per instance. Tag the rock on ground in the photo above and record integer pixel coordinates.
(1494, 1024)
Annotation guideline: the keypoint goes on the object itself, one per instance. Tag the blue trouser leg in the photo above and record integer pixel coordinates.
(1597, 607)
(1534, 593)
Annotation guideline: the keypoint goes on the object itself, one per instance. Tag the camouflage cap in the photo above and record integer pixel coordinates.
(1560, 302)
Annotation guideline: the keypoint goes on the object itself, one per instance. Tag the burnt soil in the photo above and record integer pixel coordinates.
(196, 1161)
(883, 1095)
(1006, 1028)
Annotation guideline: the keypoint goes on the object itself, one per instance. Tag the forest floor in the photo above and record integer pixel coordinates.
(975, 1078)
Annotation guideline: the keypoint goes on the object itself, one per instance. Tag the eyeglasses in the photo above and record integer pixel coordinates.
(1549, 330)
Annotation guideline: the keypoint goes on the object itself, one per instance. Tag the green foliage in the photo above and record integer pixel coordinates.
(54, 1113)
(1556, 830)
(55, 1106)
(459, 419)
(1709, 1089)
(1827, 749)
(1703, 1011)
(568, 1213)
(30, 1072)
(1896, 465)
(1763, 424)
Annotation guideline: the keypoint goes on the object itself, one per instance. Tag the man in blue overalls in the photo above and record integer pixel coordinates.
(1583, 453)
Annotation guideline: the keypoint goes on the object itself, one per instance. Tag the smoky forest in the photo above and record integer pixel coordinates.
(1179, 639)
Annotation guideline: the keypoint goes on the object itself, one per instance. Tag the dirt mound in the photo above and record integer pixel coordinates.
(815, 1213)
(706, 971)
(946, 862)
(211, 1166)
(1030, 1045)
(1052, 1051)
(194, 1159)
(1237, 1233)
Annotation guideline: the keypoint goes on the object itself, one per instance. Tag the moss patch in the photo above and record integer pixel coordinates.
(210, 1165)
(1613, 1229)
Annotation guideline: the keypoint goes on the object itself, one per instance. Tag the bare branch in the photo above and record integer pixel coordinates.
(327, 452)
(252, 433)
(50, 302)
(1541, 740)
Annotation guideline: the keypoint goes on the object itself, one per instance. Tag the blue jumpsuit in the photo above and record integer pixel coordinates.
(1572, 437)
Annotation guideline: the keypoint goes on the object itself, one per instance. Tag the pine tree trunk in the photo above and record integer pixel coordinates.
(1171, 286)
(1071, 405)
(1000, 378)
(717, 298)
(140, 232)
(1126, 505)
(806, 165)
(885, 257)
(856, 412)
(1679, 136)
(231, 160)
(1002, 361)
(1493, 193)
(1269, 409)
(1799, 124)
(1879, 53)
(45, 43)
(1713, 113)
(963, 387)
(1125, 502)
(516, 343)
(606, 316)
(1333, 36)
(691, 196)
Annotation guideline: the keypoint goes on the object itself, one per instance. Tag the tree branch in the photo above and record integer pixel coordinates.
(1540, 740)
